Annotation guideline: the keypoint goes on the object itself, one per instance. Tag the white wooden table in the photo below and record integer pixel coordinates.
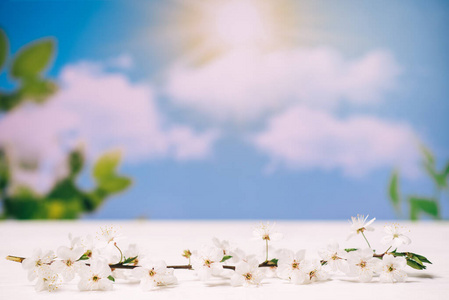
(166, 239)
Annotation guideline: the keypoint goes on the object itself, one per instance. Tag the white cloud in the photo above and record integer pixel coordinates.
(304, 138)
(123, 61)
(245, 85)
(186, 144)
(102, 110)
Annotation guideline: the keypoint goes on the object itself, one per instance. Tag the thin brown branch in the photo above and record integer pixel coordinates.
(128, 267)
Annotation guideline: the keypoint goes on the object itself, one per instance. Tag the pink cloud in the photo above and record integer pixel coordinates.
(304, 138)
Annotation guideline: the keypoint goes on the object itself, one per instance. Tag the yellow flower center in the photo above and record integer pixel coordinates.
(312, 274)
(207, 263)
(295, 265)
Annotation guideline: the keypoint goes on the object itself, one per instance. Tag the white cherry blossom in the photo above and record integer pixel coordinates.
(95, 276)
(89, 244)
(225, 246)
(131, 252)
(207, 262)
(74, 241)
(68, 264)
(240, 255)
(314, 272)
(391, 269)
(47, 279)
(154, 274)
(222, 245)
(108, 235)
(290, 264)
(247, 273)
(334, 256)
(362, 264)
(35, 262)
(266, 232)
(359, 225)
(134, 251)
(395, 236)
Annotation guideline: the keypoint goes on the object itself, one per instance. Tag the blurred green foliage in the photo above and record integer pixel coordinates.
(65, 200)
(421, 205)
(27, 68)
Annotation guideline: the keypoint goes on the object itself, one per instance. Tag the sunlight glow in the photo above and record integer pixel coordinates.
(239, 23)
(208, 29)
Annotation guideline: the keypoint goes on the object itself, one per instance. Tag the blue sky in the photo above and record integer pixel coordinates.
(208, 164)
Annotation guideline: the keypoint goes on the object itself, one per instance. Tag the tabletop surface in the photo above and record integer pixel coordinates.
(165, 240)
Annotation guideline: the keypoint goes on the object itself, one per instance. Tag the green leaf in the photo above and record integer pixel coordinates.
(421, 258)
(398, 253)
(393, 191)
(63, 208)
(225, 258)
(37, 89)
(438, 178)
(92, 200)
(24, 203)
(64, 190)
(416, 259)
(410, 255)
(33, 58)
(76, 162)
(429, 165)
(84, 257)
(445, 176)
(4, 48)
(441, 181)
(350, 249)
(429, 158)
(129, 260)
(115, 184)
(4, 172)
(415, 265)
(274, 261)
(111, 278)
(105, 174)
(446, 171)
(106, 165)
(419, 205)
(9, 101)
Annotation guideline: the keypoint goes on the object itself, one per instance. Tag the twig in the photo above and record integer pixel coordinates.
(176, 267)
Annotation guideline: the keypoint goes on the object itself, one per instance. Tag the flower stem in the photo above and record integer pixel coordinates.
(266, 250)
(121, 254)
(388, 249)
(366, 239)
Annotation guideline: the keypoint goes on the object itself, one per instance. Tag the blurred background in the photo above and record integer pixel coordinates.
(224, 109)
